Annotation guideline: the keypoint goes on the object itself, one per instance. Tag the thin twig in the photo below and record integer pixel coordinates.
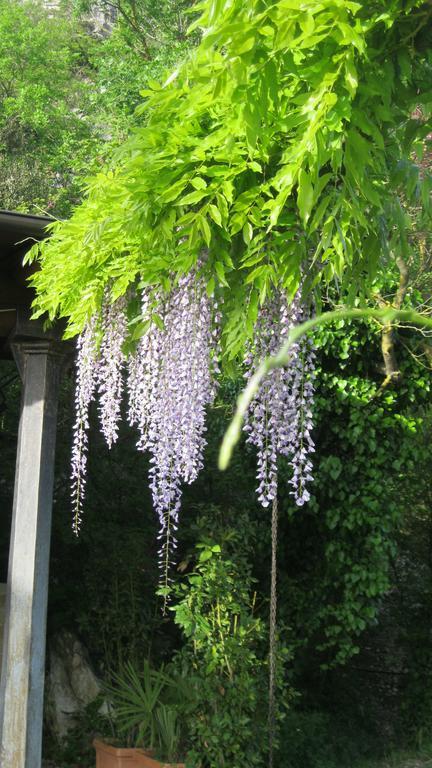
(387, 315)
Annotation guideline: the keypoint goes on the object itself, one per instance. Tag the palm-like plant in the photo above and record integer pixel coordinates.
(169, 731)
(134, 698)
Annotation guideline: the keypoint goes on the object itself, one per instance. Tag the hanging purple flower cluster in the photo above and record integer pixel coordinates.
(172, 381)
(279, 421)
(99, 369)
(84, 394)
(302, 446)
(110, 368)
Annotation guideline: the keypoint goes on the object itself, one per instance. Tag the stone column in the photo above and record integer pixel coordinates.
(23, 664)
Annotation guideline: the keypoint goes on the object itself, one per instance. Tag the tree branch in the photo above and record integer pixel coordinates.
(391, 367)
(388, 316)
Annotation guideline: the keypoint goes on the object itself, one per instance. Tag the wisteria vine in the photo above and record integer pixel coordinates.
(279, 422)
(110, 368)
(86, 380)
(280, 418)
(172, 379)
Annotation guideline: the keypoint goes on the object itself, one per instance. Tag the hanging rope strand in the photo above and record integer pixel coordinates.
(272, 632)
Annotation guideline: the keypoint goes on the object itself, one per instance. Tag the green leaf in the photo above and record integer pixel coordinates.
(205, 555)
(210, 287)
(205, 229)
(192, 197)
(247, 232)
(198, 183)
(157, 320)
(174, 191)
(351, 77)
(266, 30)
(220, 271)
(305, 195)
(140, 329)
(256, 273)
(319, 213)
(215, 214)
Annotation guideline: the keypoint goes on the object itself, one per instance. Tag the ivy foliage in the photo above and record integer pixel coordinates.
(285, 142)
(369, 441)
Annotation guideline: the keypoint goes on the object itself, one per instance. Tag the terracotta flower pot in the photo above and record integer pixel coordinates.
(109, 756)
(144, 760)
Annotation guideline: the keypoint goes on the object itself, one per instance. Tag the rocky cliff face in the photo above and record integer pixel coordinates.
(100, 19)
(70, 684)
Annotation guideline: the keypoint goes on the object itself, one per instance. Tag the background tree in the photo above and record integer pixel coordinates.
(68, 97)
(40, 99)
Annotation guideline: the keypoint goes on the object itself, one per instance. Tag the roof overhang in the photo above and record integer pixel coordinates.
(18, 232)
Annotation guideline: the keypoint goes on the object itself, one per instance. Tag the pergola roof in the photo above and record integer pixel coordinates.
(18, 232)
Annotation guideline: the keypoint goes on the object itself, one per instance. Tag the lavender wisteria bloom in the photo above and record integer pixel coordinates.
(171, 383)
(302, 445)
(279, 421)
(172, 379)
(99, 369)
(86, 380)
(110, 368)
(143, 370)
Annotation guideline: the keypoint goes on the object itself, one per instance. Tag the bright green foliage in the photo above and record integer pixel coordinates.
(284, 142)
(120, 74)
(225, 649)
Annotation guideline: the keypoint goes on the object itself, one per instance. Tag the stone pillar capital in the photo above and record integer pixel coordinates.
(30, 337)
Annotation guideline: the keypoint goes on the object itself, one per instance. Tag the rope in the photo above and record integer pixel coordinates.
(272, 632)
